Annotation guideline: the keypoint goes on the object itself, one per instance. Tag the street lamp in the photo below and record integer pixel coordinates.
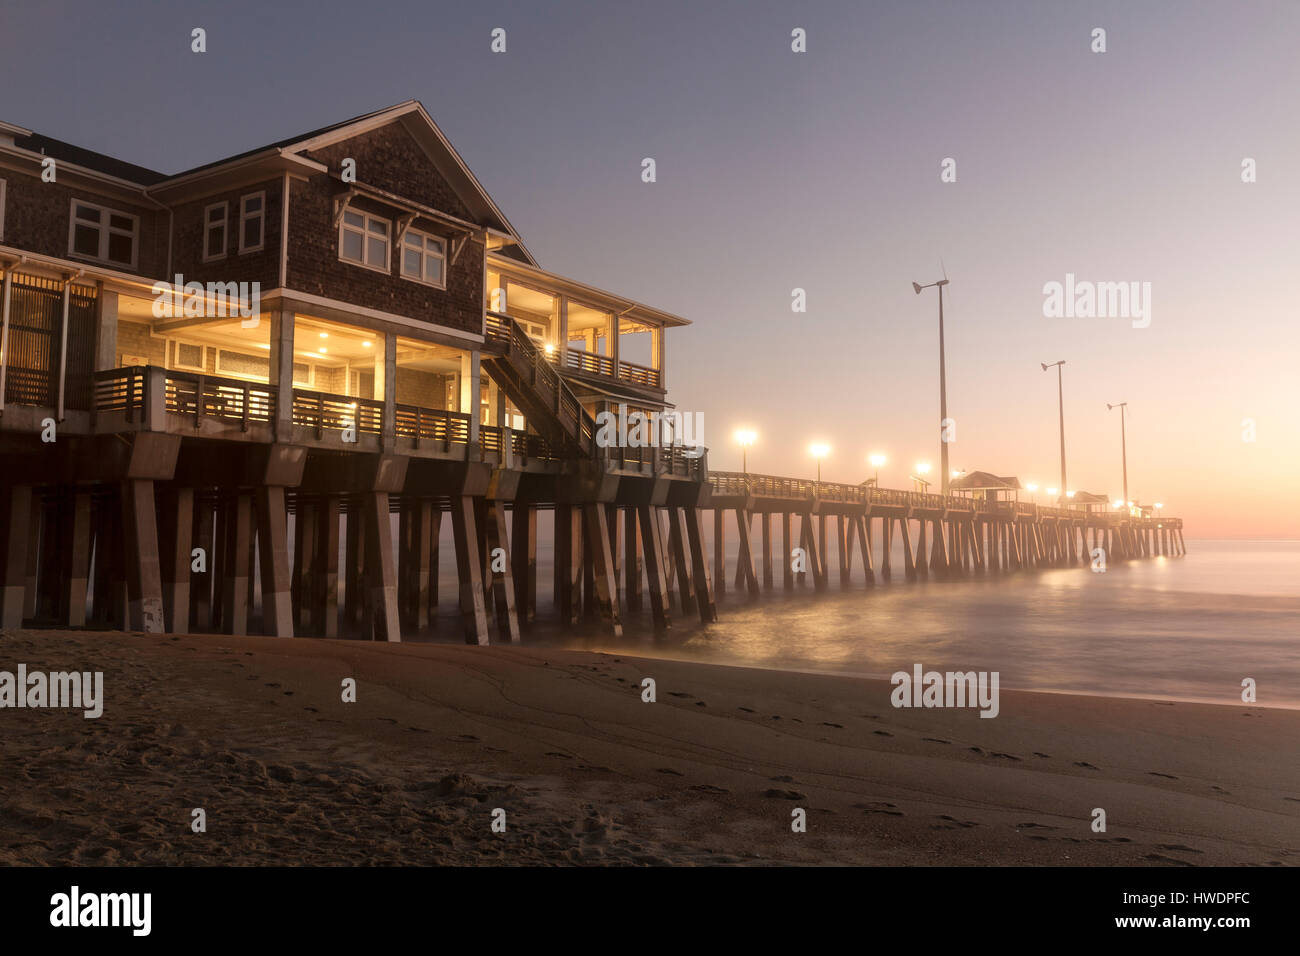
(1060, 395)
(746, 438)
(819, 451)
(1123, 440)
(943, 380)
(1031, 488)
(876, 461)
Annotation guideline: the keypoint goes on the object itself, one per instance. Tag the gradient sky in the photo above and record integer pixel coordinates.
(820, 170)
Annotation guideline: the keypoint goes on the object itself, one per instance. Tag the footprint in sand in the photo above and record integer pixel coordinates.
(783, 794)
(466, 739)
(995, 753)
(272, 684)
(556, 753)
(1157, 858)
(1085, 765)
(827, 723)
(678, 693)
(1292, 799)
(879, 806)
(709, 788)
(951, 823)
(420, 730)
(783, 778)
(748, 710)
(976, 750)
(1035, 826)
(700, 703)
(312, 710)
(387, 720)
(936, 740)
(671, 772)
(882, 733)
(1178, 847)
(1167, 776)
(1037, 754)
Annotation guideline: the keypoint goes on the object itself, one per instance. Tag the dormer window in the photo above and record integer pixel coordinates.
(214, 231)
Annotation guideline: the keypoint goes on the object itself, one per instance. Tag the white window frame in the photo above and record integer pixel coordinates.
(2, 210)
(208, 227)
(366, 220)
(260, 216)
(425, 238)
(106, 229)
(173, 352)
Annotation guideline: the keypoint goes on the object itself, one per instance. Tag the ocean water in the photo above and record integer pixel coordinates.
(1188, 628)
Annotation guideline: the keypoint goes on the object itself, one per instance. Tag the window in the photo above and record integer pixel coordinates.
(187, 356)
(106, 235)
(214, 231)
(363, 240)
(2, 209)
(424, 258)
(252, 222)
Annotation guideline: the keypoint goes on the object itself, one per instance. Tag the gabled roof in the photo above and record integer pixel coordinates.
(416, 120)
(411, 114)
(983, 480)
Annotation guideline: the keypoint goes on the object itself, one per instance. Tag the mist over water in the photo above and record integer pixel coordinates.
(1185, 628)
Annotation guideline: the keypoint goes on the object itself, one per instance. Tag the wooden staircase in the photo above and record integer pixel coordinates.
(534, 385)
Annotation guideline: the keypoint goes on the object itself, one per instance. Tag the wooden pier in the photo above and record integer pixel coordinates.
(941, 536)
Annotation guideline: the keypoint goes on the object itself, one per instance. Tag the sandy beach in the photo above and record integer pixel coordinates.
(254, 731)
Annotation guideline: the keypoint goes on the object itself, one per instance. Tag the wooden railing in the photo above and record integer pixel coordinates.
(321, 410)
(537, 373)
(431, 424)
(640, 374)
(734, 484)
(122, 390)
(228, 399)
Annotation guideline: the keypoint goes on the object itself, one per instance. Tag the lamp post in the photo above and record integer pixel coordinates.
(1031, 488)
(1123, 440)
(1060, 397)
(876, 461)
(943, 382)
(746, 438)
(819, 451)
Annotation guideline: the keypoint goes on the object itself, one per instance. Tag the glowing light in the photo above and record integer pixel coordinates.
(323, 351)
(922, 467)
(1118, 504)
(550, 349)
(746, 437)
(324, 335)
(367, 343)
(1031, 487)
(876, 460)
(1159, 505)
(1069, 494)
(1051, 491)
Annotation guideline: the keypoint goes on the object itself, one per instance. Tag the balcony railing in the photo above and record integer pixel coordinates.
(431, 424)
(123, 390)
(321, 410)
(229, 399)
(188, 394)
